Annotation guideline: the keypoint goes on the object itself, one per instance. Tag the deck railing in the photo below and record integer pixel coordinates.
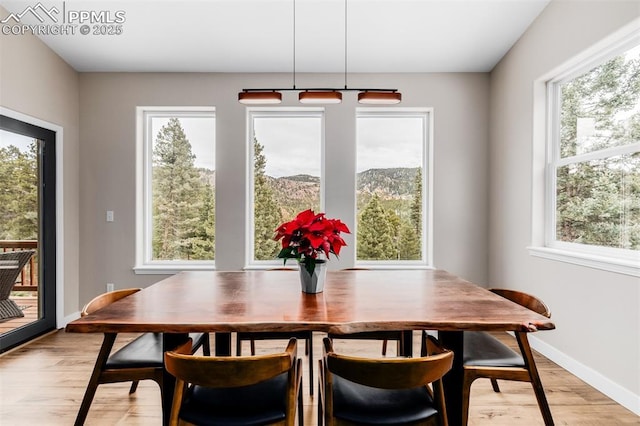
(28, 278)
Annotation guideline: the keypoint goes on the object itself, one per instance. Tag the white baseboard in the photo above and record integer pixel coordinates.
(619, 394)
(66, 320)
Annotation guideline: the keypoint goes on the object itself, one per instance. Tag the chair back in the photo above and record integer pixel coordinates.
(224, 371)
(389, 373)
(524, 299)
(11, 264)
(105, 299)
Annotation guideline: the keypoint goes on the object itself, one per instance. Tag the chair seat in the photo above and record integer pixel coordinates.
(483, 350)
(145, 351)
(258, 404)
(367, 405)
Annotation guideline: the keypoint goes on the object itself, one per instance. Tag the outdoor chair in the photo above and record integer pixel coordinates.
(11, 264)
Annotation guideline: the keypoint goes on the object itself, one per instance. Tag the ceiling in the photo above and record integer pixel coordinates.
(257, 35)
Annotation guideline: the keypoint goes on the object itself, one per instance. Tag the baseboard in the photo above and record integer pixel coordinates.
(66, 320)
(619, 394)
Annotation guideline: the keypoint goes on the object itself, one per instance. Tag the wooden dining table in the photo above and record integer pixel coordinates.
(352, 301)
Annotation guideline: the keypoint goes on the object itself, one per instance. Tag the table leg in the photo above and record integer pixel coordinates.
(223, 344)
(170, 341)
(453, 340)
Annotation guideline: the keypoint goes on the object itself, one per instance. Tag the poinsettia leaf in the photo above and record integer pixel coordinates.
(310, 265)
(288, 253)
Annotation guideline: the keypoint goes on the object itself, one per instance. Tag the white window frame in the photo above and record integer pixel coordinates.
(546, 111)
(280, 112)
(144, 156)
(426, 114)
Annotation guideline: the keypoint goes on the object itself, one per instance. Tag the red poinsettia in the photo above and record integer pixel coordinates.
(308, 235)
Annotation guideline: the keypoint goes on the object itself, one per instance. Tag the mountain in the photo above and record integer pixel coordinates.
(392, 183)
(387, 183)
(294, 193)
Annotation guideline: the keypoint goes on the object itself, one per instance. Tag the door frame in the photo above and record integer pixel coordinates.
(61, 321)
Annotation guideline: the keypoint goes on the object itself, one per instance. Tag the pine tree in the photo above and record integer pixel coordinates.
(411, 233)
(375, 233)
(267, 215)
(177, 194)
(201, 241)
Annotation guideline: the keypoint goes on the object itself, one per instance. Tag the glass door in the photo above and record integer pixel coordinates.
(27, 224)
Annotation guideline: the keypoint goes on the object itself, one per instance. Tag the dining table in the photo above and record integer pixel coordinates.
(223, 302)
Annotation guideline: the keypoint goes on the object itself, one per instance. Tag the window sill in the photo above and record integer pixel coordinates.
(171, 269)
(610, 264)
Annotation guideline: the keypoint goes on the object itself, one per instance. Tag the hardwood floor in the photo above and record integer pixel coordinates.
(43, 383)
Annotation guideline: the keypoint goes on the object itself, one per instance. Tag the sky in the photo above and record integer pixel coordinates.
(389, 142)
(201, 133)
(10, 138)
(293, 145)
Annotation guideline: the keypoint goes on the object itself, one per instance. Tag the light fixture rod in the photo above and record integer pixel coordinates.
(294, 44)
(322, 89)
(345, 44)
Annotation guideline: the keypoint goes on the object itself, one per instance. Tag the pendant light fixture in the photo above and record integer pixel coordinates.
(319, 95)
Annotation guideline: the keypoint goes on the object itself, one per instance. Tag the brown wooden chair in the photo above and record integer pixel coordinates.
(485, 356)
(243, 390)
(11, 264)
(383, 391)
(140, 359)
(252, 336)
(385, 336)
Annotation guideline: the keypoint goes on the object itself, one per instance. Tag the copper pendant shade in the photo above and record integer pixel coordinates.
(379, 98)
(258, 98)
(320, 95)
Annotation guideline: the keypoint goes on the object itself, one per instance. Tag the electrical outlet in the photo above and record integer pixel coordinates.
(110, 287)
(109, 215)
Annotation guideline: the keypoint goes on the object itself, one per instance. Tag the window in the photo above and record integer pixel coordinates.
(393, 154)
(593, 169)
(176, 188)
(285, 173)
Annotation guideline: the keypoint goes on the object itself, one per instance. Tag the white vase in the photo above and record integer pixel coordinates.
(313, 283)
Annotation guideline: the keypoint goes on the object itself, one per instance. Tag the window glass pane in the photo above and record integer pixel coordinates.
(19, 194)
(390, 153)
(286, 173)
(183, 187)
(601, 108)
(598, 202)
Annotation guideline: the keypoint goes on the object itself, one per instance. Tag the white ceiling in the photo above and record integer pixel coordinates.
(257, 35)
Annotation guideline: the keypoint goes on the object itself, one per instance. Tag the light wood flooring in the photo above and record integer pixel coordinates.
(42, 383)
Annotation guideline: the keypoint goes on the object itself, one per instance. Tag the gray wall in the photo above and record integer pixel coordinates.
(107, 163)
(596, 312)
(34, 81)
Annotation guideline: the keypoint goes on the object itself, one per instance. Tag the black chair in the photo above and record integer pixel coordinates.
(384, 391)
(485, 356)
(244, 390)
(140, 359)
